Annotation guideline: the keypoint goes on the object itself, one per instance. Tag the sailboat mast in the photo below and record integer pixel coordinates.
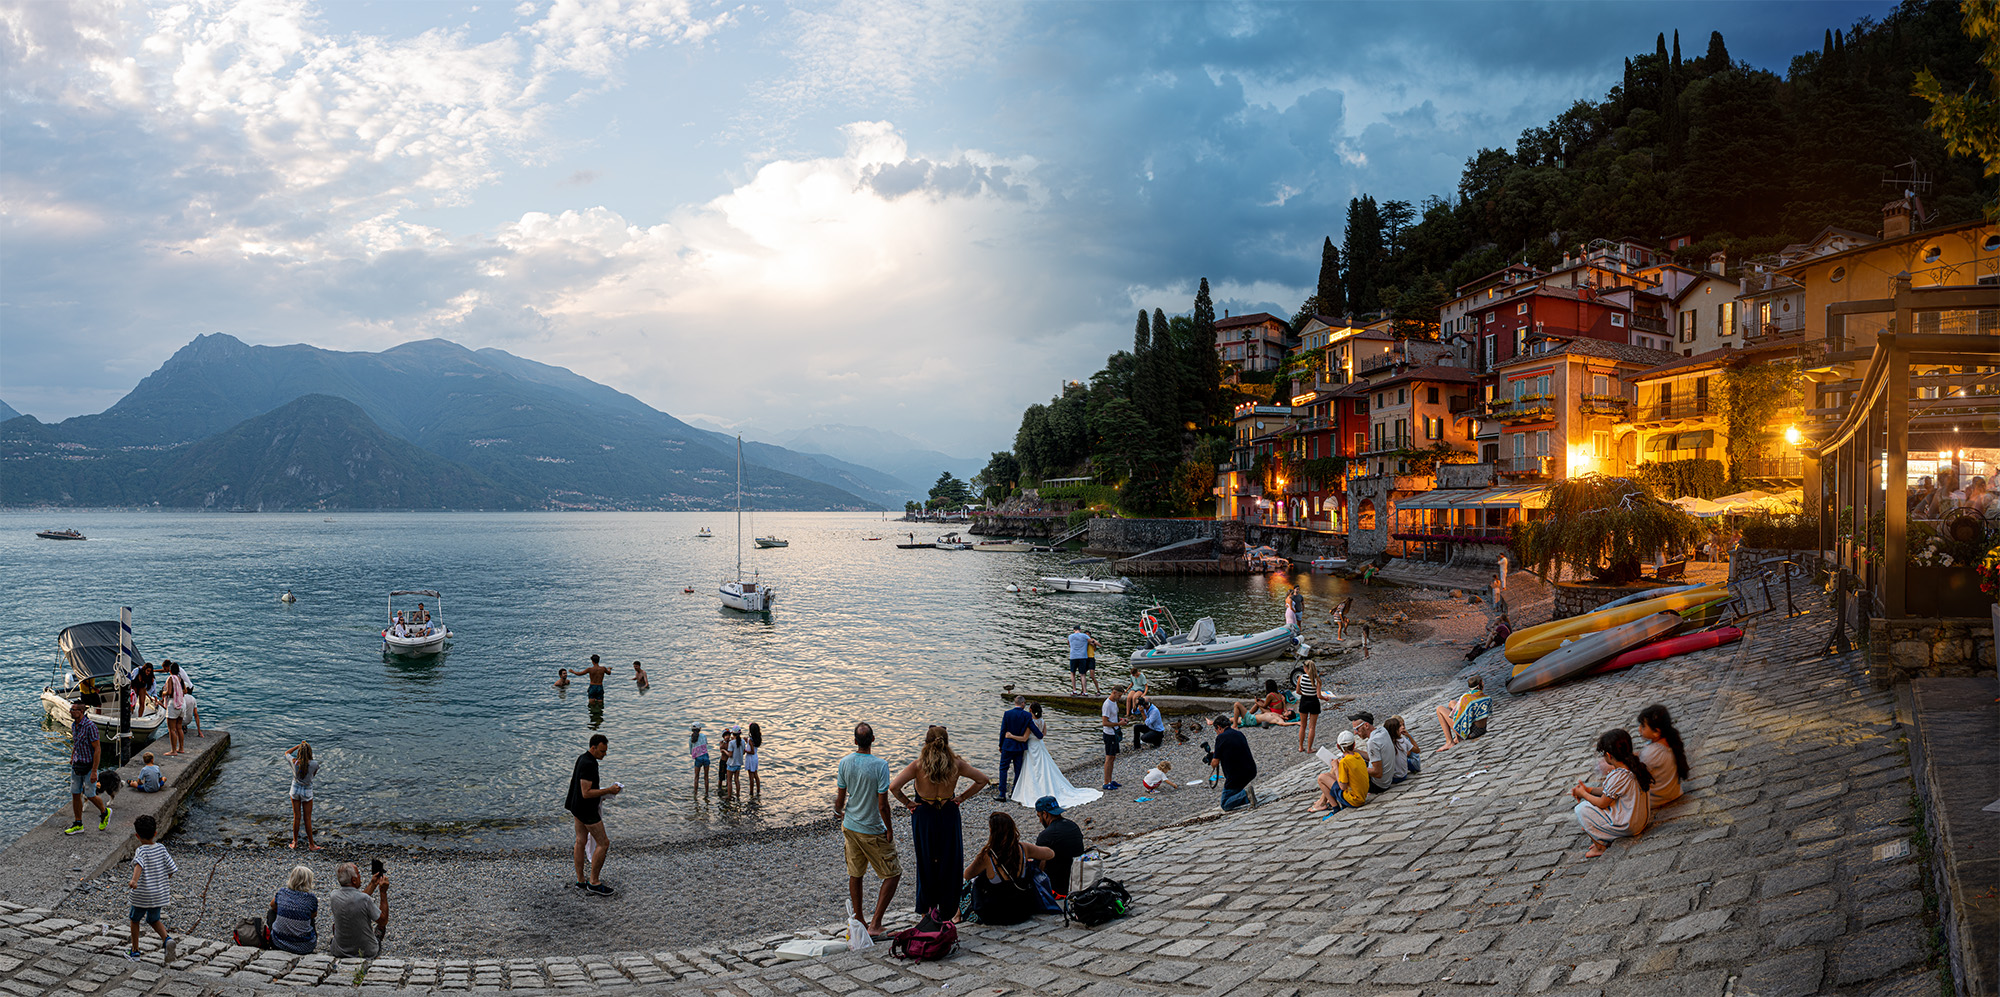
(739, 509)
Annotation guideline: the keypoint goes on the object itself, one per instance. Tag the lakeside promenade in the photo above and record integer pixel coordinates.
(1789, 868)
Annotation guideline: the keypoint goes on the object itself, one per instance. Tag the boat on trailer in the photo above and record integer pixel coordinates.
(1168, 647)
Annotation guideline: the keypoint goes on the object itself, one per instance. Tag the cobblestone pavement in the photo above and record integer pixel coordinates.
(1786, 869)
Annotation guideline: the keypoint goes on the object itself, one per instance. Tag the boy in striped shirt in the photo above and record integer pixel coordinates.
(151, 867)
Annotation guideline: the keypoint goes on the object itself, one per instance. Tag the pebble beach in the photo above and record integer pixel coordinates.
(475, 901)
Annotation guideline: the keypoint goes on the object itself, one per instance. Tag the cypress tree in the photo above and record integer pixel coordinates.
(1826, 48)
(1677, 53)
(1204, 315)
(1717, 59)
(1161, 333)
(1331, 301)
(1140, 336)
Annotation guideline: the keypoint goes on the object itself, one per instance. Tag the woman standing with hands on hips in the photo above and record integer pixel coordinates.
(935, 831)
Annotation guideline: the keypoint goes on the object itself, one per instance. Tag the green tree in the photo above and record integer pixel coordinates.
(1328, 298)
(1123, 437)
(949, 491)
(1001, 471)
(1602, 526)
(1970, 121)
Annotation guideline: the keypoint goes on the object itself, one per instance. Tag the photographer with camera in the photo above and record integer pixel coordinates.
(357, 932)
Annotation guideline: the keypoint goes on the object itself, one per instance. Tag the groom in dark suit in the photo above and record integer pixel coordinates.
(1015, 725)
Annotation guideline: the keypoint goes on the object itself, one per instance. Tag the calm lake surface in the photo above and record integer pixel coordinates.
(474, 748)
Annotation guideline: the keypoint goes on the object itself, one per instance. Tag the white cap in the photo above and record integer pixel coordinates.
(1346, 739)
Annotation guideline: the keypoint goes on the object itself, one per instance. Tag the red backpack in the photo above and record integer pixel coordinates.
(933, 938)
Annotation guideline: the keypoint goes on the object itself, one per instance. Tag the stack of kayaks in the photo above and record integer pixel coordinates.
(1627, 631)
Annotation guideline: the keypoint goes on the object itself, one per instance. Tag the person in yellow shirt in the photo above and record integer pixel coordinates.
(1349, 773)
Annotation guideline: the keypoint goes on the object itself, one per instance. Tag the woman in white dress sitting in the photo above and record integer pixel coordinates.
(1041, 776)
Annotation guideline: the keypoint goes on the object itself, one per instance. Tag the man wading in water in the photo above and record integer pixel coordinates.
(596, 673)
(586, 806)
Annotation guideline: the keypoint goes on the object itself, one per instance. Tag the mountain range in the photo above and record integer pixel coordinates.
(428, 424)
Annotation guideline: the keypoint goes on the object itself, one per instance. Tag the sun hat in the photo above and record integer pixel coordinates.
(1048, 805)
(697, 727)
(1347, 739)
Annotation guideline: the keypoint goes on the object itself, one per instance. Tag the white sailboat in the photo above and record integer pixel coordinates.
(752, 596)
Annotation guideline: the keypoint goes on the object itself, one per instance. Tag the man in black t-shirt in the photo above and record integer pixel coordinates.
(1232, 749)
(586, 806)
(1060, 835)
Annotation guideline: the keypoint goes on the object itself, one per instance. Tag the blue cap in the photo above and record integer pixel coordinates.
(1048, 805)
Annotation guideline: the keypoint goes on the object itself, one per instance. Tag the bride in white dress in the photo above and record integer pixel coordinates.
(1041, 776)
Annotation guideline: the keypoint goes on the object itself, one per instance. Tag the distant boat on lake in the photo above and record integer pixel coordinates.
(61, 535)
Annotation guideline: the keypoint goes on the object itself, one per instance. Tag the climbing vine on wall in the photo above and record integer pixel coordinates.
(1753, 393)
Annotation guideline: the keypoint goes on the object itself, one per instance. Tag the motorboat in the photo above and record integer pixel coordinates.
(91, 671)
(1004, 546)
(951, 541)
(1329, 563)
(61, 535)
(1055, 584)
(704, 534)
(768, 542)
(1168, 647)
(423, 633)
(1267, 559)
(752, 596)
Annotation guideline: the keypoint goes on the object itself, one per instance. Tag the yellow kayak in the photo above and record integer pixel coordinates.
(1525, 647)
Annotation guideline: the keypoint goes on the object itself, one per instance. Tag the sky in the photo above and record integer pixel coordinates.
(910, 216)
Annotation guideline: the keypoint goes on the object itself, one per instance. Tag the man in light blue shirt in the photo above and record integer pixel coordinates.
(1080, 661)
(861, 797)
(1151, 728)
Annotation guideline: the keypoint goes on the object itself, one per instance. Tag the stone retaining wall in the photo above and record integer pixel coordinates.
(1134, 536)
(1576, 599)
(1900, 650)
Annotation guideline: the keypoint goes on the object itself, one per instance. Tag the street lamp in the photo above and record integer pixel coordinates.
(1792, 435)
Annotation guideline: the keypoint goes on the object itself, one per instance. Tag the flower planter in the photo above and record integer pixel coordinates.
(1929, 590)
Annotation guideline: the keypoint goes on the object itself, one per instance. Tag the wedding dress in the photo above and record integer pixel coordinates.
(1041, 776)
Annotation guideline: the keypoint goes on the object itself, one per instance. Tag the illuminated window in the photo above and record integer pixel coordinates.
(1931, 254)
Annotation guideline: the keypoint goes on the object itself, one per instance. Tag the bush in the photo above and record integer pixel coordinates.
(1790, 532)
(1602, 526)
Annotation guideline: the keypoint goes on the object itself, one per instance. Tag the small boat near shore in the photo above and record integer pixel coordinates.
(1167, 647)
(89, 674)
(1329, 564)
(415, 637)
(1053, 583)
(751, 596)
(60, 535)
(951, 541)
(704, 534)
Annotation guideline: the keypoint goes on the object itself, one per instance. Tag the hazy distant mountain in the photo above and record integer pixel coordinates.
(7, 412)
(542, 432)
(891, 453)
(322, 452)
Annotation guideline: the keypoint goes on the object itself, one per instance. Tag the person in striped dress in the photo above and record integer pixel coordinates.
(1621, 808)
(1308, 690)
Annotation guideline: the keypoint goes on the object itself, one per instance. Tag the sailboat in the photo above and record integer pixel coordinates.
(752, 596)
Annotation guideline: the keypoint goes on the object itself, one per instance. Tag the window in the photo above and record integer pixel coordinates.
(1489, 353)
(1701, 387)
(1361, 406)
(1687, 326)
(1725, 318)
(1433, 428)
(1402, 431)
(1431, 395)
(1542, 385)
(1542, 443)
(1600, 385)
(1839, 274)
(1520, 389)
(1520, 342)
(1520, 445)
(1521, 309)
(1360, 442)
(1402, 396)
(1932, 253)
(1379, 400)
(1600, 444)
(1618, 319)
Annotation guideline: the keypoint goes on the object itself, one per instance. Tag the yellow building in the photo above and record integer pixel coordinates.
(1846, 294)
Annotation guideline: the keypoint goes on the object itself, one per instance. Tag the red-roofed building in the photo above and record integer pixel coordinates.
(1254, 342)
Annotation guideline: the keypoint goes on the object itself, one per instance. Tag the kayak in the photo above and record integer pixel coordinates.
(1534, 642)
(1583, 653)
(1649, 594)
(1707, 612)
(1670, 647)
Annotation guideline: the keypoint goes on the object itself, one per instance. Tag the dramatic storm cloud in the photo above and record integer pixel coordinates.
(912, 216)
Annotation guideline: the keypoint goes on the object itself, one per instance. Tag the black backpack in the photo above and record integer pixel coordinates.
(1105, 900)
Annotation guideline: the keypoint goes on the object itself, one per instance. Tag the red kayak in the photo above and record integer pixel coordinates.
(1670, 647)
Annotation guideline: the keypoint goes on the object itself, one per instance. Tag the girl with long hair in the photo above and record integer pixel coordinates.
(935, 834)
(1308, 690)
(1622, 808)
(303, 770)
(750, 762)
(1663, 754)
(1000, 890)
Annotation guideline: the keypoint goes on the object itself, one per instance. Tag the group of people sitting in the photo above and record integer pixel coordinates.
(1635, 783)
(1936, 501)
(1366, 758)
(360, 914)
(417, 624)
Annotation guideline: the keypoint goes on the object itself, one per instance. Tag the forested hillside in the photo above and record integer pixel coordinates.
(1735, 158)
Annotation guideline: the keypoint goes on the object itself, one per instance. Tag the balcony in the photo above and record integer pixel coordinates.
(1528, 408)
(1649, 324)
(1527, 467)
(1772, 468)
(1677, 408)
(1388, 443)
(1614, 406)
(1779, 329)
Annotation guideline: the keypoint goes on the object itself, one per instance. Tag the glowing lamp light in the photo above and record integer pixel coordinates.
(1792, 435)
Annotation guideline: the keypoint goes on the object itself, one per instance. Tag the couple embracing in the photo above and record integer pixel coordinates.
(1036, 773)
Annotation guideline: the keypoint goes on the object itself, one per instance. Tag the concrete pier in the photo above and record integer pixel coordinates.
(44, 864)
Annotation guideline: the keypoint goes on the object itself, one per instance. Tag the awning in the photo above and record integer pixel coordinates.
(1508, 497)
(1664, 441)
(1435, 499)
(1694, 441)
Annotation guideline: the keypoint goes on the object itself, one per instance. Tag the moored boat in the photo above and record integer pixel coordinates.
(89, 674)
(1201, 647)
(1054, 583)
(1004, 546)
(60, 535)
(768, 542)
(752, 596)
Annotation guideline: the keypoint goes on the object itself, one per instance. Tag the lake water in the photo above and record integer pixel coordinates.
(475, 747)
